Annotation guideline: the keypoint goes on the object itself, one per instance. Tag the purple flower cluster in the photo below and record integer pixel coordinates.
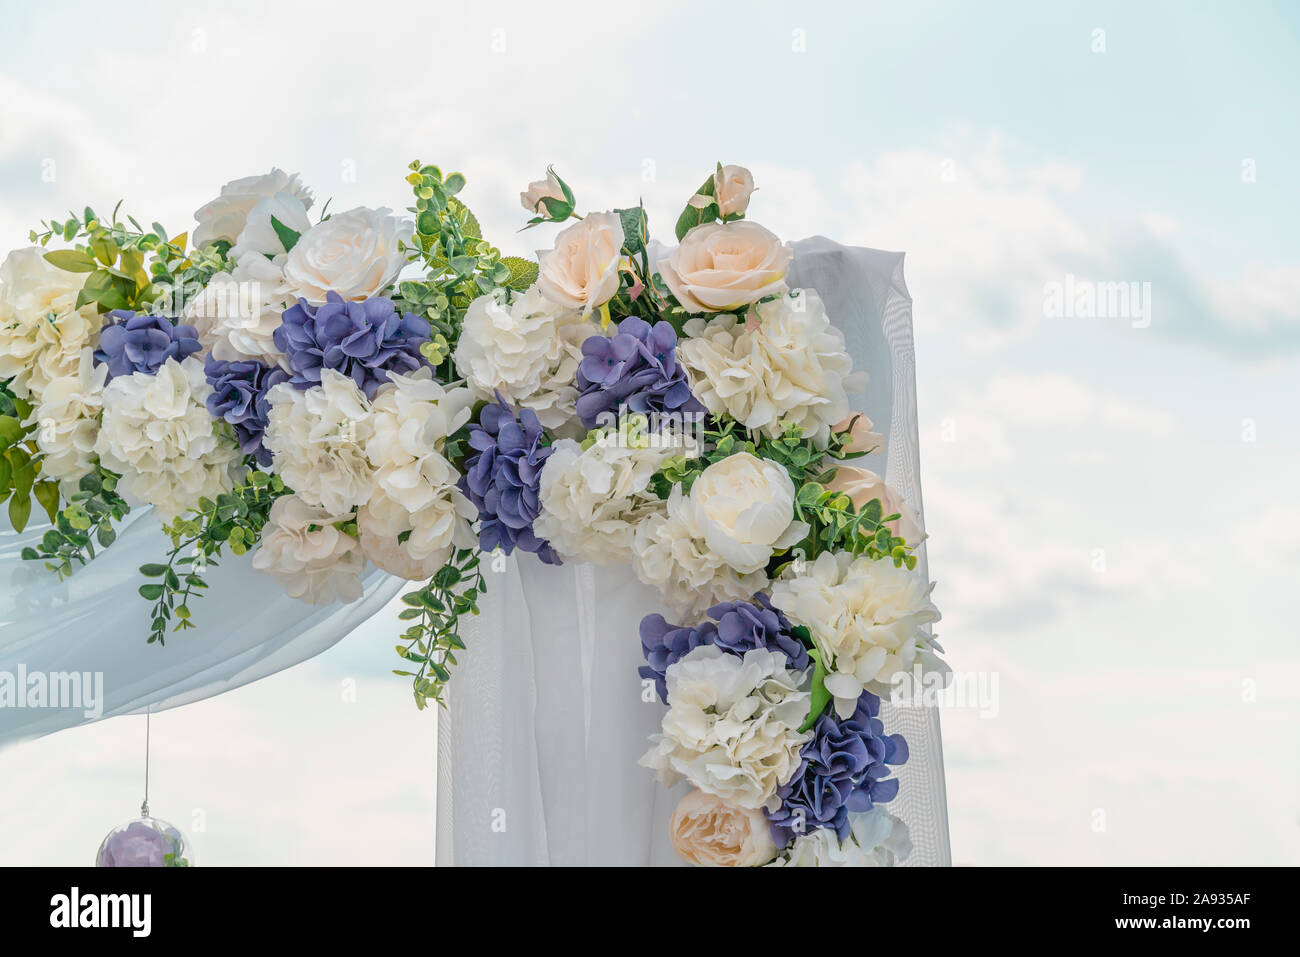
(502, 476)
(844, 769)
(636, 369)
(737, 627)
(239, 396)
(142, 343)
(364, 340)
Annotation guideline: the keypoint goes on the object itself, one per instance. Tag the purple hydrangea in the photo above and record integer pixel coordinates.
(364, 340)
(139, 342)
(239, 396)
(502, 476)
(844, 769)
(636, 369)
(737, 627)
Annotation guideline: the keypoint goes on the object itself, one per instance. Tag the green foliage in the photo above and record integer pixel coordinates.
(235, 520)
(86, 521)
(836, 526)
(433, 638)
(724, 437)
(458, 264)
(19, 464)
(820, 696)
(128, 266)
(523, 273)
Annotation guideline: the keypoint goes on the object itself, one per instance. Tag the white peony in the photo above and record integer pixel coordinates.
(582, 270)
(42, 332)
(417, 513)
(732, 725)
(867, 618)
(787, 365)
(236, 314)
(67, 422)
(303, 549)
(225, 216)
(356, 254)
(876, 839)
(528, 350)
(744, 506)
(317, 438)
(158, 435)
(594, 498)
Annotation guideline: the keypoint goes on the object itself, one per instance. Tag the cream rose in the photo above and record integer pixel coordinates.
(581, 272)
(732, 187)
(225, 216)
(539, 190)
(745, 508)
(720, 267)
(708, 832)
(863, 436)
(862, 485)
(356, 254)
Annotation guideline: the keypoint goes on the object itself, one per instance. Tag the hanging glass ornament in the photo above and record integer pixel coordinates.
(146, 841)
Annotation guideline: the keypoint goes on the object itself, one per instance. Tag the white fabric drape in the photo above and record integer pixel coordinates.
(95, 621)
(537, 751)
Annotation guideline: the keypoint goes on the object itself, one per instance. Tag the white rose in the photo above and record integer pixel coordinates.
(745, 508)
(732, 186)
(225, 216)
(259, 236)
(539, 190)
(42, 332)
(157, 434)
(582, 271)
(317, 439)
(868, 619)
(731, 725)
(876, 839)
(313, 560)
(528, 349)
(356, 254)
(708, 832)
(720, 267)
(789, 365)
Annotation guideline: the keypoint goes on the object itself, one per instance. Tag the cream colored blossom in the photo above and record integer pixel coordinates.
(582, 270)
(720, 267)
(732, 187)
(42, 332)
(786, 365)
(867, 617)
(708, 832)
(356, 254)
(307, 553)
(317, 438)
(876, 839)
(226, 216)
(732, 725)
(157, 434)
(67, 422)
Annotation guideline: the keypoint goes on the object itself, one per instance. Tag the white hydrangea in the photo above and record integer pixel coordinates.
(306, 552)
(42, 332)
(416, 514)
(67, 422)
(594, 497)
(732, 725)
(866, 617)
(876, 839)
(236, 314)
(317, 439)
(528, 349)
(788, 364)
(158, 435)
(670, 551)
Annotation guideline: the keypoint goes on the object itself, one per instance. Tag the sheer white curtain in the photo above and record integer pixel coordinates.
(537, 751)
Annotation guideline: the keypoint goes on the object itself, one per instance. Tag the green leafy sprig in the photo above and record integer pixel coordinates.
(435, 610)
(86, 521)
(19, 467)
(235, 519)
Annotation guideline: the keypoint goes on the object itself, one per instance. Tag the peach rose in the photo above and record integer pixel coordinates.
(862, 434)
(539, 190)
(862, 485)
(710, 833)
(581, 272)
(732, 186)
(720, 267)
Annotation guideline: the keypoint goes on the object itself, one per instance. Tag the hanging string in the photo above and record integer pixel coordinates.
(144, 807)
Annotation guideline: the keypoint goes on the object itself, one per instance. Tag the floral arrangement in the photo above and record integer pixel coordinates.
(329, 391)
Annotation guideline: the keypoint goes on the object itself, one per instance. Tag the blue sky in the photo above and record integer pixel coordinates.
(991, 144)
